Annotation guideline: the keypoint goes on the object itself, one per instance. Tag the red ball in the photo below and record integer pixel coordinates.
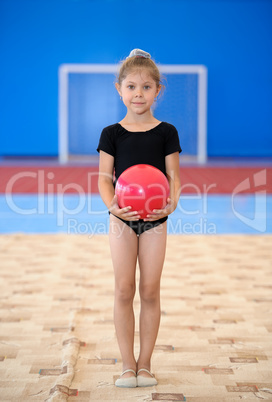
(144, 188)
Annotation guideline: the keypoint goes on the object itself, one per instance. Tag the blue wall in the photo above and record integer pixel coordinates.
(231, 37)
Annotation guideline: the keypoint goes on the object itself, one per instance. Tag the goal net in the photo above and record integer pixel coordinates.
(88, 102)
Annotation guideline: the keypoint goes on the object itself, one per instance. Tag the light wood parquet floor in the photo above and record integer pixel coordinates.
(57, 338)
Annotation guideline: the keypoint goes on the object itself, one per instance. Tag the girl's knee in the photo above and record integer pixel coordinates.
(125, 293)
(149, 293)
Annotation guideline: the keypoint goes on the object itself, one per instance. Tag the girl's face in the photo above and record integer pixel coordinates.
(138, 91)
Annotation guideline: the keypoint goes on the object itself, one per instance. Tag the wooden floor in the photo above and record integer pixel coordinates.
(57, 338)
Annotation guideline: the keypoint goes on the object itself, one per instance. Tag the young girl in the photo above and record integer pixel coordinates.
(138, 139)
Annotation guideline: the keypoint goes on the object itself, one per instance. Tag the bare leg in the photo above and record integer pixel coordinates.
(152, 245)
(124, 250)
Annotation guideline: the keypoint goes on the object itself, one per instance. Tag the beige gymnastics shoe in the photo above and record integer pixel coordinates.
(146, 381)
(129, 382)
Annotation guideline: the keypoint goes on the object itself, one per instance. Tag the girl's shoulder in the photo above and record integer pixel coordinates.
(169, 126)
(166, 128)
(113, 128)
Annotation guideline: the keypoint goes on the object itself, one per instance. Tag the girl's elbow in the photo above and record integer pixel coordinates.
(104, 182)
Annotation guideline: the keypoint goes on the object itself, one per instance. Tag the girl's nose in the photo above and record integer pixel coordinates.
(139, 92)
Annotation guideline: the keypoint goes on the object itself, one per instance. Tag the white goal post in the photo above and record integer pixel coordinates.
(63, 115)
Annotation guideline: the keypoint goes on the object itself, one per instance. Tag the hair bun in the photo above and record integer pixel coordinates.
(139, 53)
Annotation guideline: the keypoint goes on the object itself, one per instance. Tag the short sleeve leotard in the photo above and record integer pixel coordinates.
(131, 148)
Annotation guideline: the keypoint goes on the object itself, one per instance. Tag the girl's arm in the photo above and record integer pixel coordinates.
(173, 175)
(106, 189)
(105, 178)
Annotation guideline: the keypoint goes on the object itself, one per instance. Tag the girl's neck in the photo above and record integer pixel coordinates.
(139, 120)
(133, 127)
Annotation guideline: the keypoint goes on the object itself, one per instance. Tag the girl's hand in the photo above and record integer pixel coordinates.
(123, 213)
(161, 213)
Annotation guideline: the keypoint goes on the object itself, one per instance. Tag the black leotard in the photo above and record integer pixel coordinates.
(131, 148)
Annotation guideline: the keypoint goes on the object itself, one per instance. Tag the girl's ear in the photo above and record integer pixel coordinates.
(117, 86)
(158, 90)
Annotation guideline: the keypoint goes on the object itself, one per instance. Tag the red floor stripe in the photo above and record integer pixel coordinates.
(211, 180)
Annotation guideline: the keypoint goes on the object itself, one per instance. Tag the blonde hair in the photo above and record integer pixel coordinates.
(135, 63)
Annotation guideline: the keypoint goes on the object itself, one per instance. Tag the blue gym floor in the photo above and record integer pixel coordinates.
(87, 215)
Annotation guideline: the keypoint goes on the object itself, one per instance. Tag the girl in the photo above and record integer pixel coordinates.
(138, 139)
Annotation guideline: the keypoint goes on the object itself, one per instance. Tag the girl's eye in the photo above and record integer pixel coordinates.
(131, 87)
(146, 87)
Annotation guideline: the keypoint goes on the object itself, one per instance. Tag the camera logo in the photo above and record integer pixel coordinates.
(258, 222)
